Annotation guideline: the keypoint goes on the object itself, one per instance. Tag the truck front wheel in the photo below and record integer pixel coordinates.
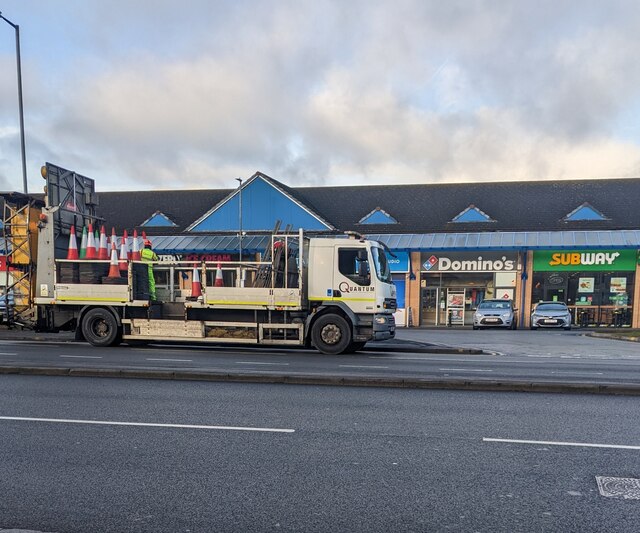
(100, 328)
(331, 334)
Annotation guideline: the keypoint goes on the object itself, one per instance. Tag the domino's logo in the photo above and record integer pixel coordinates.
(430, 263)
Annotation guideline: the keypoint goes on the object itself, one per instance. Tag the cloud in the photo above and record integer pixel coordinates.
(315, 93)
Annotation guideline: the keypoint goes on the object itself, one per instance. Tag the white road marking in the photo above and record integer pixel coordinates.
(573, 373)
(462, 370)
(361, 366)
(82, 356)
(560, 443)
(260, 363)
(143, 424)
(173, 360)
(8, 353)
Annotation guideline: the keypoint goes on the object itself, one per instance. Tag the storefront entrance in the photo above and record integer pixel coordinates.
(597, 286)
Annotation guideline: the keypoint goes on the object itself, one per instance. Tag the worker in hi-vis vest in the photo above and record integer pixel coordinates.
(148, 254)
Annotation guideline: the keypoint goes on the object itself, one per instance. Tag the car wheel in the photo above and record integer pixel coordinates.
(475, 327)
(534, 327)
(568, 328)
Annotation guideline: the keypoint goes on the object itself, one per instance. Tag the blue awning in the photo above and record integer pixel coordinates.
(526, 240)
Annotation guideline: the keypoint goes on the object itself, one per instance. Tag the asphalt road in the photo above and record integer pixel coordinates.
(521, 356)
(76, 457)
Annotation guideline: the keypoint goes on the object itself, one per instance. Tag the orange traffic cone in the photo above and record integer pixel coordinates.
(103, 251)
(219, 281)
(72, 252)
(91, 244)
(196, 285)
(124, 255)
(114, 271)
(135, 249)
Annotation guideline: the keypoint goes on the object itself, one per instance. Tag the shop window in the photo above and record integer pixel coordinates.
(353, 263)
(472, 214)
(584, 212)
(378, 216)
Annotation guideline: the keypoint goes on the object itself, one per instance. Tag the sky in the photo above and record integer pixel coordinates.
(143, 95)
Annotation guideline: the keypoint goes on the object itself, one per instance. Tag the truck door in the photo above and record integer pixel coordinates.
(353, 279)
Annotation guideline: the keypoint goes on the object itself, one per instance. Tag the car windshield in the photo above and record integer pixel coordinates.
(551, 307)
(495, 305)
(382, 265)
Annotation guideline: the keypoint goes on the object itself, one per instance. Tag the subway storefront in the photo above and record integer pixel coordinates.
(598, 286)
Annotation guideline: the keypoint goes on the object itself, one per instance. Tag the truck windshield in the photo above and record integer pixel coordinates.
(382, 266)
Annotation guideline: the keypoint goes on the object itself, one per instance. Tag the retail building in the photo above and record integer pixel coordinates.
(575, 241)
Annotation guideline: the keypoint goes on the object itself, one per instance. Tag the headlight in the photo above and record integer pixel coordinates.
(506, 315)
(381, 320)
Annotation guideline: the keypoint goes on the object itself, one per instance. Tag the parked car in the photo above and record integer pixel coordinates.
(551, 315)
(6, 311)
(495, 313)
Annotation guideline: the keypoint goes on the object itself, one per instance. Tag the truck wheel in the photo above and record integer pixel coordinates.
(100, 328)
(331, 334)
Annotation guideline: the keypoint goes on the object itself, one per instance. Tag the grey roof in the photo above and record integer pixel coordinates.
(424, 208)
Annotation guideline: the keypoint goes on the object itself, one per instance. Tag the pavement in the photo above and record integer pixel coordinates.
(394, 345)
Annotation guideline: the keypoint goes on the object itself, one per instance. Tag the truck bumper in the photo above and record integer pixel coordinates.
(384, 327)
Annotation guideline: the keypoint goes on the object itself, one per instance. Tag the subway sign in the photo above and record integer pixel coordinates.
(584, 260)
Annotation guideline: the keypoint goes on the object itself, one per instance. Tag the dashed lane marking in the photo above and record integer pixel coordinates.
(560, 443)
(260, 363)
(143, 424)
(362, 366)
(81, 356)
(170, 360)
(463, 370)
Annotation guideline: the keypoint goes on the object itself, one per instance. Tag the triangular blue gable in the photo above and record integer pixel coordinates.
(158, 220)
(378, 216)
(585, 212)
(472, 214)
(262, 205)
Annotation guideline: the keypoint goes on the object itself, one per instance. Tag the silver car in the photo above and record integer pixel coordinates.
(495, 313)
(551, 315)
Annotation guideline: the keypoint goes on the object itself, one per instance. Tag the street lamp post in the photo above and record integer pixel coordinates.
(24, 157)
(239, 180)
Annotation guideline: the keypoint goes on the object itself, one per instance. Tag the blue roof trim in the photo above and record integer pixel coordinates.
(378, 216)
(472, 214)
(159, 220)
(263, 202)
(585, 212)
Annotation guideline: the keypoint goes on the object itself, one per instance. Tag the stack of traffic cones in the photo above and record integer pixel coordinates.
(135, 249)
(103, 251)
(83, 243)
(124, 253)
(219, 280)
(114, 270)
(72, 252)
(91, 244)
(196, 285)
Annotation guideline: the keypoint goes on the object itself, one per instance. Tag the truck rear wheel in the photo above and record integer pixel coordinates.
(100, 328)
(331, 334)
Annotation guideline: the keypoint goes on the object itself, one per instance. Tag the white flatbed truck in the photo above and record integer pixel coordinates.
(333, 293)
